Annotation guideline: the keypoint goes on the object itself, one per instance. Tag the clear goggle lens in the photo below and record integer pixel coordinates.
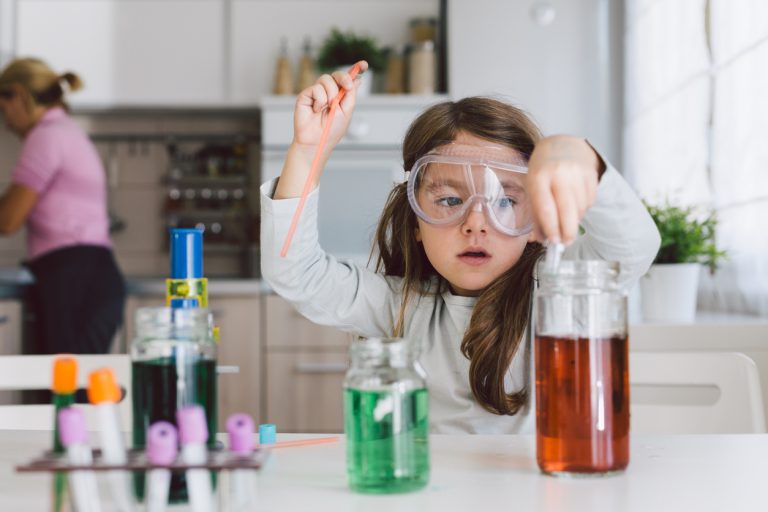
(443, 191)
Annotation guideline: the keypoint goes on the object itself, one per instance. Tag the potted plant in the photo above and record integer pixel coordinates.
(341, 50)
(670, 287)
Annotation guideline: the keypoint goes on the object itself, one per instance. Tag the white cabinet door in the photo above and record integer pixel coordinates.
(138, 52)
(10, 327)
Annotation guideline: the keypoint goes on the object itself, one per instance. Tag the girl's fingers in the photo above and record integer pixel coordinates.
(330, 86)
(547, 224)
(319, 98)
(343, 79)
(348, 101)
(567, 211)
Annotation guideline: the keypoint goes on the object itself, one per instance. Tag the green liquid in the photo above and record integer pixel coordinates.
(60, 497)
(157, 393)
(387, 440)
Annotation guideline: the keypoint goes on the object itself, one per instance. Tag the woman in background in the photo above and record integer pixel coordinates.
(58, 189)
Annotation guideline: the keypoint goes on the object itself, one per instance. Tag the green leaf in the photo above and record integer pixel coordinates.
(346, 48)
(685, 238)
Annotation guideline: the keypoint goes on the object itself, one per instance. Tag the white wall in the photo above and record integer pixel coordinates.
(566, 74)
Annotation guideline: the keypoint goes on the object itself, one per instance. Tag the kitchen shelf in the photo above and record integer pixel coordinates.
(207, 181)
(208, 214)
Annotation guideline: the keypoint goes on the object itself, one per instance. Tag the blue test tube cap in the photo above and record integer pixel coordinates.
(179, 303)
(186, 253)
(267, 433)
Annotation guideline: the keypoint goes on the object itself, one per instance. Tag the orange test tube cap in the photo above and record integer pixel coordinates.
(102, 387)
(64, 375)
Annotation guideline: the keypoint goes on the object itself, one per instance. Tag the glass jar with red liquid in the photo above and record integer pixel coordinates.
(581, 370)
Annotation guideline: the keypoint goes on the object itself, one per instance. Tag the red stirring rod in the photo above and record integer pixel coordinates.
(315, 163)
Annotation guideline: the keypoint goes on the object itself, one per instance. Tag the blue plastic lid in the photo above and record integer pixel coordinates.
(180, 303)
(267, 433)
(186, 253)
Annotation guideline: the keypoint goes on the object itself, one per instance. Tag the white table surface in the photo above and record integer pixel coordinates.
(479, 474)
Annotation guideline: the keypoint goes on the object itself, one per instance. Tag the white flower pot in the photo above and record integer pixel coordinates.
(669, 292)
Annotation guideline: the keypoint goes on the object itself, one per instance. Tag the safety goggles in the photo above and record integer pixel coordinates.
(448, 183)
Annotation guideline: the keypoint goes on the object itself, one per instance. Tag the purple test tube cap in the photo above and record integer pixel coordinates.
(240, 430)
(72, 429)
(162, 443)
(193, 427)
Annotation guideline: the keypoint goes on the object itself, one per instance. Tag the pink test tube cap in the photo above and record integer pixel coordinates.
(72, 429)
(240, 430)
(192, 425)
(162, 443)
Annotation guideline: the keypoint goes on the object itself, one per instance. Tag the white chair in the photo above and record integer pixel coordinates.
(36, 372)
(694, 393)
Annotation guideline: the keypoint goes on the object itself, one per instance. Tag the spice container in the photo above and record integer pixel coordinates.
(421, 68)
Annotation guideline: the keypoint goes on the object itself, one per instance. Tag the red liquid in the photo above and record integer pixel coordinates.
(582, 404)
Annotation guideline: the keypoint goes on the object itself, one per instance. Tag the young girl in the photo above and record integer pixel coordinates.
(457, 245)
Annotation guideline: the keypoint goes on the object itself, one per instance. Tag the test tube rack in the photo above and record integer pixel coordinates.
(219, 459)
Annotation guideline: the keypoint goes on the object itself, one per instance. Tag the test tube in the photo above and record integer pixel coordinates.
(63, 390)
(161, 451)
(193, 434)
(241, 443)
(104, 394)
(75, 440)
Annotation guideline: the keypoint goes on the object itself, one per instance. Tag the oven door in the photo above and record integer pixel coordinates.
(353, 189)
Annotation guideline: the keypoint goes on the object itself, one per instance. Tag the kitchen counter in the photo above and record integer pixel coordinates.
(13, 281)
(149, 287)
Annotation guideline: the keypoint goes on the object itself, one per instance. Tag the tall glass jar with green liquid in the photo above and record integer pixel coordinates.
(386, 417)
(174, 365)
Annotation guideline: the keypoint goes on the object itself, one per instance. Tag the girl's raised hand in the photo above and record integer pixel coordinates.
(312, 106)
(563, 173)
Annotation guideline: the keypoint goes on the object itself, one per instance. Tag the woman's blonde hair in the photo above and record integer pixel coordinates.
(39, 80)
(501, 314)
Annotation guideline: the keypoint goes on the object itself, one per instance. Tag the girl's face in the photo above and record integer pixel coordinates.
(471, 254)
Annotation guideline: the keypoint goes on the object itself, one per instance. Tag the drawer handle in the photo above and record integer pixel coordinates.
(225, 370)
(321, 367)
(4, 319)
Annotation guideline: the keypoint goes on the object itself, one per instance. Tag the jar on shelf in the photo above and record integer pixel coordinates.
(581, 370)
(423, 29)
(386, 417)
(421, 68)
(173, 201)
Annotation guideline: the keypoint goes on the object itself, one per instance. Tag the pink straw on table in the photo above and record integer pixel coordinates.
(316, 163)
(304, 442)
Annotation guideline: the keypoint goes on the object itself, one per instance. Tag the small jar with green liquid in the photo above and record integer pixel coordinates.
(173, 366)
(386, 417)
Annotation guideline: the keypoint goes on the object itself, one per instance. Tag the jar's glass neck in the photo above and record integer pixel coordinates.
(580, 275)
(377, 352)
(193, 324)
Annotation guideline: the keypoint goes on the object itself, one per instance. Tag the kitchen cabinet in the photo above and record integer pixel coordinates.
(305, 368)
(239, 322)
(10, 327)
(566, 72)
(138, 52)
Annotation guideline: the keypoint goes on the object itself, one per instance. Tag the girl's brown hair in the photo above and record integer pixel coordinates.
(39, 80)
(501, 314)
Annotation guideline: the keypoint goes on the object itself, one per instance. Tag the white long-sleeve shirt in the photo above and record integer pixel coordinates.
(347, 296)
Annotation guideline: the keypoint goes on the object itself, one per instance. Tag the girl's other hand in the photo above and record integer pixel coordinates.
(563, 173)
(313, 104)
